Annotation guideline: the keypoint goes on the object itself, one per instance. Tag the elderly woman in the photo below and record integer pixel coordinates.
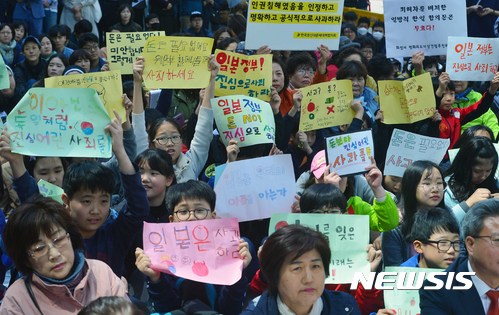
(295, 261)
(47, 248)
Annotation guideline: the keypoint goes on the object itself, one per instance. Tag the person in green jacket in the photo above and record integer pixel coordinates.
(383, 212)
(466, 96)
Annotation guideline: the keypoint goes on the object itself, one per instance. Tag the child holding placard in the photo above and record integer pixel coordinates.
(166, 134)
(451, 119)
(192, 201)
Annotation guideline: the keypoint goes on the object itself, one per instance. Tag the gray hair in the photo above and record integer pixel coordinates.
(473, 220)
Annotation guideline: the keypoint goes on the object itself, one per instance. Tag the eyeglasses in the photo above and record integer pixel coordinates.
(302, 71)
(445, 245)
(163, 140)
(93, 47)
(43, 249)
(326, 211)
(430, 186)
(493, 239)
(6, 33)
(199, 213)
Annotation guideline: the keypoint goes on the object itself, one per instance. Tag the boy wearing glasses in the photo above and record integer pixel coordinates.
(192, 201)
(90, 43)
(435, 236)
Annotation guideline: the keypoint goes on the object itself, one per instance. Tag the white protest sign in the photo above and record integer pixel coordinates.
(303, 25)
(256, 188)
(348, 239)
(471, 58)
(422, 25)
(406, 147)
(350, 153)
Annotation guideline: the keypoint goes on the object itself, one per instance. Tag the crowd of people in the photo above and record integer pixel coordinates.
(85, 256)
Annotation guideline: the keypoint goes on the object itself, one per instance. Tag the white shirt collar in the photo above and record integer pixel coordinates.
(285, 310)
(482, 288)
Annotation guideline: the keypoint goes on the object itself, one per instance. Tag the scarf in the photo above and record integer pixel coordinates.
(75, 275)
(7, 51)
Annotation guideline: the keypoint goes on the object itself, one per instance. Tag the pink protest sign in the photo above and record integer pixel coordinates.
(204, 251)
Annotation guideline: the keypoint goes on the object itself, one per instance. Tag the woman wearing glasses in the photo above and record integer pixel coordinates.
(47, 248)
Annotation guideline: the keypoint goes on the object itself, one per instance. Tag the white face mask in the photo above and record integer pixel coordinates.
(378, 36)
(362, 31)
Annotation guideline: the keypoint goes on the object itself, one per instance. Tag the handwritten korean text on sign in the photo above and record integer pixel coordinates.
(350, 153)
(348, 239)
(124, 48)
(406, 147)
(422, 25)
(405, 301)
(296, 25)
(50, 190)
(326, 104)
(177, 62)
(253, 189)
(205, 251)
(471, 58)
(60, 122)
(107, 85)
(248, 120)
(408, 101)
(241, 74)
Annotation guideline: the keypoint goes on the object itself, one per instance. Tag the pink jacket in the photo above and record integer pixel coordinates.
(57, 299)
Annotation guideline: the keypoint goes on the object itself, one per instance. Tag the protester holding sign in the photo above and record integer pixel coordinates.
(193, 201)
(301, 70)
(466, 96)
(471, 176)
(382, 211)
(357, 73)
(166, 134)
(451, 119)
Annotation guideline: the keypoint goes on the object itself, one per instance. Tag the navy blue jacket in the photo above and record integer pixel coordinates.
(334, 303)
(455, 302)
(166, 295)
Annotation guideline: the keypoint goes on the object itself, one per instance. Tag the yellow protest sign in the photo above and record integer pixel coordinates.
(173, 62)
(326, 104)
(294, 25)
(124, 48)
(107, 84)
(248, 120)
(246, 75)
(60, 122)
(408, 101)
